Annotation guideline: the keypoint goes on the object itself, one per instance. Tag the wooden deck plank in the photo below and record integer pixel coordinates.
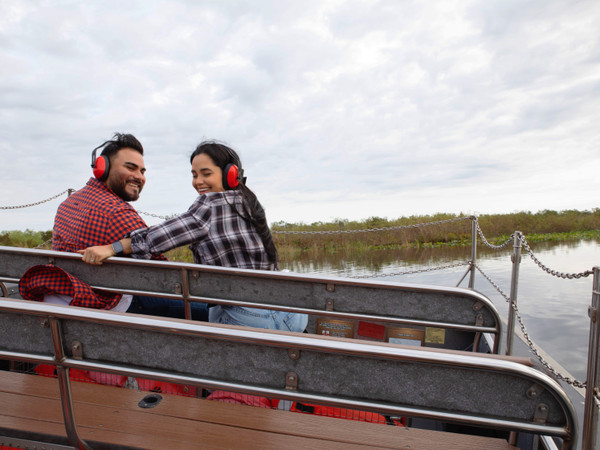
(177, 407)
(129, 428)
(110, 414)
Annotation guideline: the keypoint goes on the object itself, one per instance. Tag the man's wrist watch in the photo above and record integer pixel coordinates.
(117, 248)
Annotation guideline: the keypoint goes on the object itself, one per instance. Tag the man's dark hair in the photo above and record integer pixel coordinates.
(119, 141)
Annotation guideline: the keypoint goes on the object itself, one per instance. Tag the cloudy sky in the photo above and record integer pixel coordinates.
(339, 109)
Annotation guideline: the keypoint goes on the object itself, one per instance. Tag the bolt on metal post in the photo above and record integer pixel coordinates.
(590, 409)
(514, 285)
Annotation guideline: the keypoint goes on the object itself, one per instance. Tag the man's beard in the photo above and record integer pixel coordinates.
(121, 191)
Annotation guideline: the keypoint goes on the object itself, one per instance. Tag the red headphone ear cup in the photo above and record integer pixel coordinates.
(101, 168)
(231, 177)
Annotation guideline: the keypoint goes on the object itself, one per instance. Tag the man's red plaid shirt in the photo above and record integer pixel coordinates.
(91, 216)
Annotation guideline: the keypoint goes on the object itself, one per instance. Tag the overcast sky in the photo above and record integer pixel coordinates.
(339, 109)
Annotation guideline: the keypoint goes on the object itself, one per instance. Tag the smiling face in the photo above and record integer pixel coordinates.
(206, 176)
(127, 174)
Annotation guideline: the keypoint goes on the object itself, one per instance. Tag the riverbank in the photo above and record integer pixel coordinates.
(435, 231)
(375, 233)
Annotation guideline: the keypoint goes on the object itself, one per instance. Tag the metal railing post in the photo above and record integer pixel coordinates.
(64, 384)
(514, 285)
(590, 413)
(473, 251)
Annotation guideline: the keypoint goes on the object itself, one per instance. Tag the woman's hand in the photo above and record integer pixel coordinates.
(95, 255)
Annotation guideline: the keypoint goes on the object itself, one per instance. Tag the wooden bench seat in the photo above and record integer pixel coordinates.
(111, 416)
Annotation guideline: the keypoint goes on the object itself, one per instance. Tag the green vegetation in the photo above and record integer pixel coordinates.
(27, 238)
(439, 230)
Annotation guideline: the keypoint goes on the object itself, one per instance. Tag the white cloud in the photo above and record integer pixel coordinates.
(339, 109)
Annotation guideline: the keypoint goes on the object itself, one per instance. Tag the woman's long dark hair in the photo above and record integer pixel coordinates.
(253, 211)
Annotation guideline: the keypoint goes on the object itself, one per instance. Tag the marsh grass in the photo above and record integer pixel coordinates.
(543, 226)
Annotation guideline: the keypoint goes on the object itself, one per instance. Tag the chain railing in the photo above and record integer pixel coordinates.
(557, 274)
(528, 340)
(67, 191)
(408, 272)
(371, 230)
(154, 215)
(513, 304)
(554, 273)
(38, 203)
(485, 241)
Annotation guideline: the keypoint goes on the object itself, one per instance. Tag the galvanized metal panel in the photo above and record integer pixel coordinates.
(453, 385)
(270, 289)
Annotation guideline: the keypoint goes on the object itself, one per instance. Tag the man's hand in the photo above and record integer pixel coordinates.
(95, 255)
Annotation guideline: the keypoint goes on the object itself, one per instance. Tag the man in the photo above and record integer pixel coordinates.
(100, 211)
(99, 214)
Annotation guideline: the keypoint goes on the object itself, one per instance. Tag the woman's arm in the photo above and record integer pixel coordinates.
(191, 226)
(95, 255)
(184, 229)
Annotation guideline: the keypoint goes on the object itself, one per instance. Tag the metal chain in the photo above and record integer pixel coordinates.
(506, 297)
(37, 203)
(530, 343)
(399, 227)
(545, 363)
(430, 269)
(555, 273)
(485, 241)
(154, 215)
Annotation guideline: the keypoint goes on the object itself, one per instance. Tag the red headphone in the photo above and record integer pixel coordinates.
(101, 165)
(231, 177)
(233, 173)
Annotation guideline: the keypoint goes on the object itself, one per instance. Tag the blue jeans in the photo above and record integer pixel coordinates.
(258, 318)
(156, 306)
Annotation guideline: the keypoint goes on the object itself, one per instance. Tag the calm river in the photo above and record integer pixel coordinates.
(554, 310)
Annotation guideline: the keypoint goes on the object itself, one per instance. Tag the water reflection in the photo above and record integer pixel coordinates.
(553, 309)
(377, 261)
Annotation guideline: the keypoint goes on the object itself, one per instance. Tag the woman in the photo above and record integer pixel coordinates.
(225, 226)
